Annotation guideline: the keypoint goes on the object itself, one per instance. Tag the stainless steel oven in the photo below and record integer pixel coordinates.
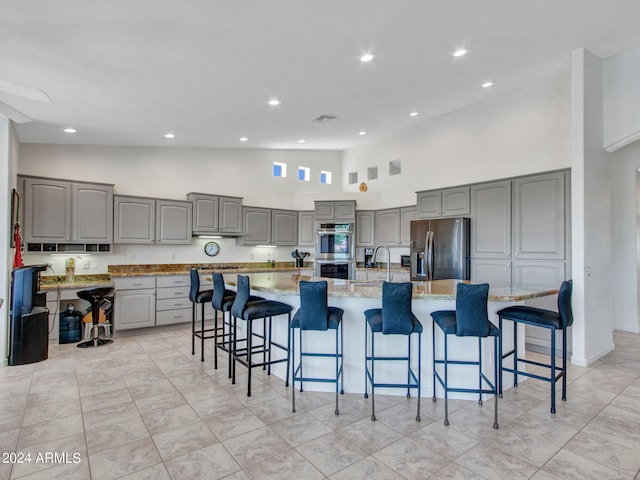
(334, 269)
(335, 241)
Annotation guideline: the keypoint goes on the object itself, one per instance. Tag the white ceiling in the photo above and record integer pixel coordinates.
(125, 72)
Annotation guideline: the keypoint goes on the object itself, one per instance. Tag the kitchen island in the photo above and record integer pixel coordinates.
(356, 296)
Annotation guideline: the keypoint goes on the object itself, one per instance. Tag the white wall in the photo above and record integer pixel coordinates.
(621, 77)
(625, 196)
(522, 132)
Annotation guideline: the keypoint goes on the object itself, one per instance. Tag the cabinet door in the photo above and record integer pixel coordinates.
(429, 204)
(47, 212)
(173, 222)
(284, 227)
(92, 213)
(388, 227)
(324, 210)
(135, 309)
(491, 227)
(134, 219)
(539, 208)
(531, 273)
(306, 234)
(205, 213)
(495, 272)
(455, 201)
(406, 215)
(345, 210)
(230, 215)
(257, 226)
(365, 233)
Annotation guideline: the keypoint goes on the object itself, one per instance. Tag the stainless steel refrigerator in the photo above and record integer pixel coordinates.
(440, 249)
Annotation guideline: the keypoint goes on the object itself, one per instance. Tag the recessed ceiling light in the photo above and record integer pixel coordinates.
(169, 135)
(70, 130)
(274, 102)
(362, 133)
(243, 139)
(367, 57)
(460, 52)
(414, 114)
(487, 84)
(301, 141)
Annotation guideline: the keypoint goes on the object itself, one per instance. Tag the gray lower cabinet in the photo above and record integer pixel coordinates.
(172, 299)
(284, 227)
(449, 202)
(56, 211)
(306, 231)
(365, 228)
(491, 220)
(135, 303)
(496, 272)
(539, 216)
(140, 220)
(532, 273)
(173, 222)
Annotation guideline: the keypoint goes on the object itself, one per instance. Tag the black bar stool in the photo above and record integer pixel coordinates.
(469, 319)
(202, 297)
(95, 296)
(250, 311)
(315, 315)
(222, 301)
(394, 318)
(553, 321)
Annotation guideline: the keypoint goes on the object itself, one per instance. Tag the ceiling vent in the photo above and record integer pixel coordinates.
(323, 118)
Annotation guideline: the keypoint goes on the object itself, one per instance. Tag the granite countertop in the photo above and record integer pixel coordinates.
(52, 282)
(283, 283)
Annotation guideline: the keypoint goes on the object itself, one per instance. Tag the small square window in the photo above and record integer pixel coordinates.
(325, 177)
(279, 169)
(304, 174)
(372, 173)
(395, 167)
(353, 178)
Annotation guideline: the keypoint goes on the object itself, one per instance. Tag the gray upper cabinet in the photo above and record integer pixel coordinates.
(134, 219)
(539, 217)
(443, 203)
(365, 232)
(257, 226)
(491, 213)
(67, 212)
(284, 227)
(306, 233)
(173, 222)
(230, 215)
(406, 215)
(213, 214)
(92, 213)
(47, 215)
(387, 227)
(335, 210)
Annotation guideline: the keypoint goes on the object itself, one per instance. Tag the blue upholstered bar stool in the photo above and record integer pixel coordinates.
(553, 321)
(222, 301)
(394, 318)
(469, 319)
(315, 314)
(251, 311)
(202, 297)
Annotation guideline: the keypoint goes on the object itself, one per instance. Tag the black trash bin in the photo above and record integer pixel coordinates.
(70, 325)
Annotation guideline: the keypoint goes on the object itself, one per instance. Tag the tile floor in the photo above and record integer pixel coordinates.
(144, 408)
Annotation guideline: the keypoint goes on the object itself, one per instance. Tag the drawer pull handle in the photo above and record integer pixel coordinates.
(137, 284)
(177, 304)
(178, 316)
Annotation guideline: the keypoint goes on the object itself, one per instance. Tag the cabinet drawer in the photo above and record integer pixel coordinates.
(134, 283)
(174, 281)
(173, 304)
(177, 292)
(173, 316)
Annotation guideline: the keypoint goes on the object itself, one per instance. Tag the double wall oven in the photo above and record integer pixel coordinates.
(335, 247)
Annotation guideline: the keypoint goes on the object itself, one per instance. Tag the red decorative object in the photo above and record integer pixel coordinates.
(17, 259)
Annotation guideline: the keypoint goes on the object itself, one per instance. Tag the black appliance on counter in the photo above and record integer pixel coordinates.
(368, 258)
(28, 317)
(440, 249)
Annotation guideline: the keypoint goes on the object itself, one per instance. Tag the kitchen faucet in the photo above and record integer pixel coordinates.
(373, 259)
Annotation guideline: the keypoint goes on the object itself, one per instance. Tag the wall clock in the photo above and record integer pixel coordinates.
(211, 249)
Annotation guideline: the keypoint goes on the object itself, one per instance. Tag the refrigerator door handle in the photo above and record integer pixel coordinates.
(429, 255)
